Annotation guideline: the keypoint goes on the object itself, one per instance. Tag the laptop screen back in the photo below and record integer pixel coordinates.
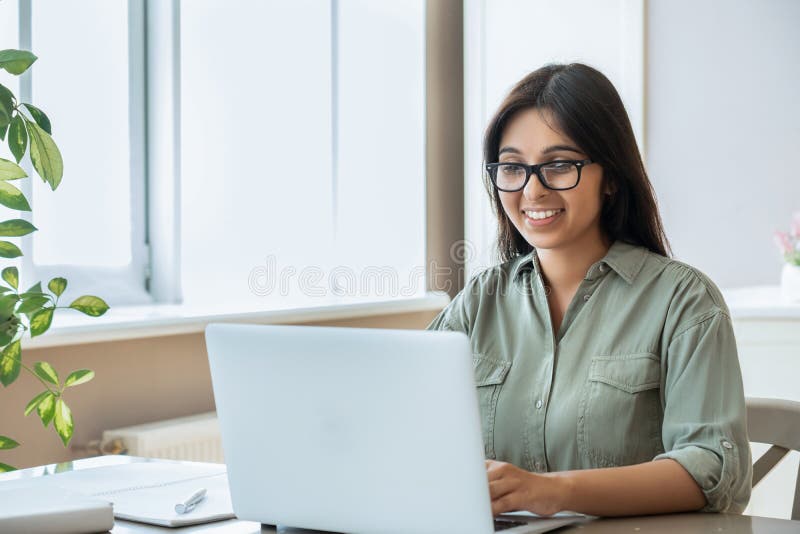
(350, 429)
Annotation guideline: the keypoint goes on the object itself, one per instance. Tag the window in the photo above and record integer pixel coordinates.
(91, 230)
(302, 150)
(239, 153)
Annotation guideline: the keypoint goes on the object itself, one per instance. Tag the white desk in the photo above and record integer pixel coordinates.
(665, 524)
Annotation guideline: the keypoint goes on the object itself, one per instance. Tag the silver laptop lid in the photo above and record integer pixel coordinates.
(350, 429)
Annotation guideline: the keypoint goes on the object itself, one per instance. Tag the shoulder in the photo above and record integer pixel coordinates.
(691, 295)
(498, 278)
(487, 286)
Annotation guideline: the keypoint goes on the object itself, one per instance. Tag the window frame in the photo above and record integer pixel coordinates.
(126, 285)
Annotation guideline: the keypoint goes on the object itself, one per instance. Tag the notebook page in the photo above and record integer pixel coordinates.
(147, 492)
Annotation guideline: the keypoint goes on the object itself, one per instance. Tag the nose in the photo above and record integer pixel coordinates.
(534, 189)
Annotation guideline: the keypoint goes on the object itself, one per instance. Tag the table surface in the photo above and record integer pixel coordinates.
(657, 524)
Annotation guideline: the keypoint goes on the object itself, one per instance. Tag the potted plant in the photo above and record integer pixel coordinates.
(789, 245)
(27, 129)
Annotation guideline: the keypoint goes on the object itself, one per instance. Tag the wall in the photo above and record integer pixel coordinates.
(507, 39)
(444, 73)
(723, 130)
(137, 381)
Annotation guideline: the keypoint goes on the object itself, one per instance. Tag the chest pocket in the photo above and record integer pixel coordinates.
(620, 416)
(490, 373)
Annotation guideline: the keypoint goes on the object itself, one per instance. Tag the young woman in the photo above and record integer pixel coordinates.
(607, 372)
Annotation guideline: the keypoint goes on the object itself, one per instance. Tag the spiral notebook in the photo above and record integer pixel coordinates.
(147, 492)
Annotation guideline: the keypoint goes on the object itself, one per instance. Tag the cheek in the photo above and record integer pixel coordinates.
(510, 203)
(583, 205)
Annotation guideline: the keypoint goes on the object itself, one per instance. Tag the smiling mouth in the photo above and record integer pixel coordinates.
(540, 215)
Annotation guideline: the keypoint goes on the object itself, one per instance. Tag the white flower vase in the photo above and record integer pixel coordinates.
(790, 282)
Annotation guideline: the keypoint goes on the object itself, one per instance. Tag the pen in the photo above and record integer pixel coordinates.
(188, 505)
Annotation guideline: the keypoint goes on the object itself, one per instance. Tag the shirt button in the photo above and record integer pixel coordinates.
(539, 466)
(727, 444)
(602, 267)
(539, 404)
(586, 297)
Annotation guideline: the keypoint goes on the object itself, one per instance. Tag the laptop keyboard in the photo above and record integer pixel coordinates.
(505, 524)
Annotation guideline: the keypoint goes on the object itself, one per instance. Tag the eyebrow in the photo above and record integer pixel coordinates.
(548, 150)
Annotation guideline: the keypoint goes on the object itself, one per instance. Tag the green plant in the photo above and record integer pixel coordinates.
(27, 129)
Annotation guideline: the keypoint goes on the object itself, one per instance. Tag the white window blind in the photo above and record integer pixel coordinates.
(302, 150)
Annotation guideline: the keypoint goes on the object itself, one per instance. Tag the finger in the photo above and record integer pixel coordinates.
(496, 470)
(502, 487)
(504, 504)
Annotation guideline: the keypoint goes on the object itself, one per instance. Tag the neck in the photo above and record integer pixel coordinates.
(565, 267)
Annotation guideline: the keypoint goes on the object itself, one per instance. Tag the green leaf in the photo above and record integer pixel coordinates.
(6, 102)
(10, 363)
(16, 228)
(45, 155)
(32, 304)
(3, 132)
(63, 421)
(5, 468)
(46, 372)
(11, 197)
(9, 250)
(17, 137)
(7, 335)
(16, 61)
(7, 443)
(47, 408)
(35, 289)
(11, 276)
(40, 118)
(6, 99)
(57, 285)
(35, 401)
(90, 305)
(7, 305)
(10, 170)
(40, 322)
(81, 376)
(5, 120)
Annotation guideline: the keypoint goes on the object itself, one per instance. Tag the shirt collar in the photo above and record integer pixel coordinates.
(624, 258)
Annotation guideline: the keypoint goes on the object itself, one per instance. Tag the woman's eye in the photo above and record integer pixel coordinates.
(511, 170)
(559, 166)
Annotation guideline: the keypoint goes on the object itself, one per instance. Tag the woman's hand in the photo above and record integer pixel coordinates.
(512, 488)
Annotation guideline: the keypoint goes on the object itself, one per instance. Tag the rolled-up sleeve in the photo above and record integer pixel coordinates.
(705, 427)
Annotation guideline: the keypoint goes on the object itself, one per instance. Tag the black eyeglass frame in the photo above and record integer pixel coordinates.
(536, 169)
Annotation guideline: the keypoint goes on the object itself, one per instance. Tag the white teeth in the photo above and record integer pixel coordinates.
(536, 215)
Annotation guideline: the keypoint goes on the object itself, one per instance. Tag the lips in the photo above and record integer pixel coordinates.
(542, 218)
(540, 214)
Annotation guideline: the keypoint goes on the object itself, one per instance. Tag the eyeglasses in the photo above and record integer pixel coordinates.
(556, 175)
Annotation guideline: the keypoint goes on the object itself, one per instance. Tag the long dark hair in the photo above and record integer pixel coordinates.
(588, 110)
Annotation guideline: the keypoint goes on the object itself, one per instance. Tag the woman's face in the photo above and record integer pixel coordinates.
(530, 137)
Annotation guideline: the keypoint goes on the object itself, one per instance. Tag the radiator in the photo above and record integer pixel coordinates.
(195, 438)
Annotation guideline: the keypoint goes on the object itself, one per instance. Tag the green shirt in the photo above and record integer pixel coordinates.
(643, 367)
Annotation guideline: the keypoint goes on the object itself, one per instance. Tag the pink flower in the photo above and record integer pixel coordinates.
(795, 228)
(782, 240)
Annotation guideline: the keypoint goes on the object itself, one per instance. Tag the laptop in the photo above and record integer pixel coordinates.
(354, 430)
